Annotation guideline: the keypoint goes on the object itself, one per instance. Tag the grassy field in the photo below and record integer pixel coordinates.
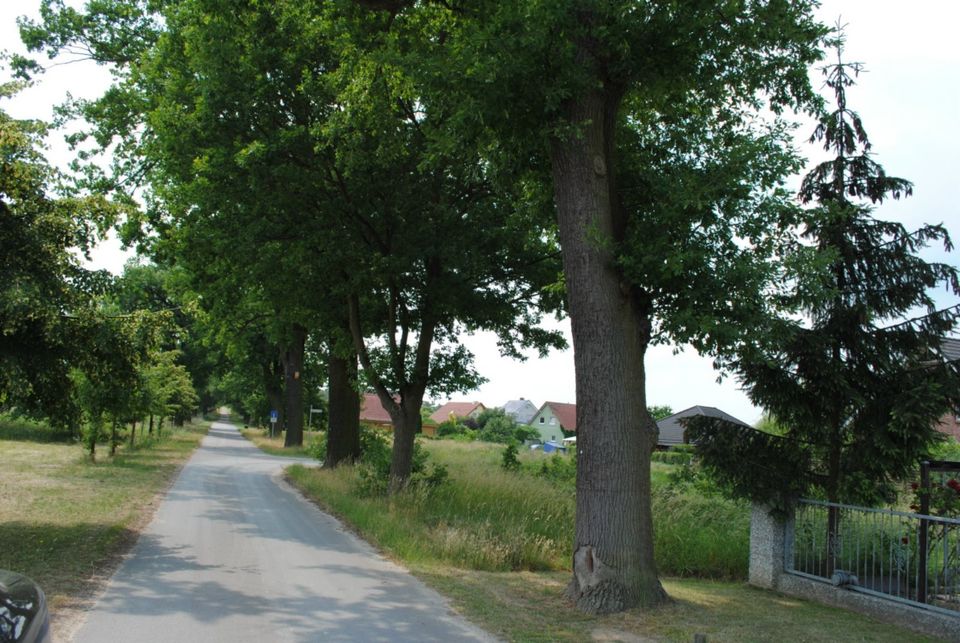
(64, 520)
(498, 543)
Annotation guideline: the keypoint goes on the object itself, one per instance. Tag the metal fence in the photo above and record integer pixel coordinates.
(908, 557)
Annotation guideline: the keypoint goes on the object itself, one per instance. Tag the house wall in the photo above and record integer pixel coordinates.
(950, 426)
(549, 427)
(669, 434)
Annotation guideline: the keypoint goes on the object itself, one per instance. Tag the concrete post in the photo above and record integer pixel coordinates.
(771, 544)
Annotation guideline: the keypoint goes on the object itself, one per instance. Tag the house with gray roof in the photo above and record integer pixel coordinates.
(671, 429)
(522, 411)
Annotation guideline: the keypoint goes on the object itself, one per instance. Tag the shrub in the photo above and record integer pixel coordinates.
(374, 470)
(525, 432)
(510, 461)
(675, 455)
(451, 428)
(558, 467)
(498, 428)
(317, 448)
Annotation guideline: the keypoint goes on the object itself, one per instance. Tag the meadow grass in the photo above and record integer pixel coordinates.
(490, 519)
(274, 445)
(498, 543)
(63, 518)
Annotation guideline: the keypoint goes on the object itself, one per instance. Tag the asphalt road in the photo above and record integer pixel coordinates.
(234, 554)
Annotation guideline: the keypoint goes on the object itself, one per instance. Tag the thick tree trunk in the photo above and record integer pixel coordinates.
(343, 427)
(613, 547)
(407, 422)
(293, 386)
(273, 387)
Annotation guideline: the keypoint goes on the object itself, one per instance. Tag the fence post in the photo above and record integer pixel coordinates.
(769, 547)
(924, 528)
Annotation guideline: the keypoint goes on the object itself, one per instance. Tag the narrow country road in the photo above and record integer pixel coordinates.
(233, 554)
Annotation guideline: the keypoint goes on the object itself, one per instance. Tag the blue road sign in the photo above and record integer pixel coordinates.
(273, 416)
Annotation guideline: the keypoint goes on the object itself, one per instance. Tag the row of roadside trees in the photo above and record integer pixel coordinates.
(81, 349)
(365, 181)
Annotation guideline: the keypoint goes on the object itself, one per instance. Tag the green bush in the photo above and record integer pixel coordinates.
(510, 461)
(374, 470)
(498, 428)
(949, 449)
(557, 467)
(674, 455)
(317, 448)
(451, 428)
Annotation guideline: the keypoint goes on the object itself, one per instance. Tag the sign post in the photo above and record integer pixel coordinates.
(273, 422)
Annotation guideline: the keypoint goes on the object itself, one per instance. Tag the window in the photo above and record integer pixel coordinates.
(553, 420)
(542, 419)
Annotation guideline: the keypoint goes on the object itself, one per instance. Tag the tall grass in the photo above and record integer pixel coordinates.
(484, 518)
(489, 519)
(19, 428)
(696, 534)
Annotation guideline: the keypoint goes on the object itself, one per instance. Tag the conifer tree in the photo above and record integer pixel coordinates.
(860, 381)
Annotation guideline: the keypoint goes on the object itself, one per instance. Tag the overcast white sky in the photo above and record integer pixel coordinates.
(909, 100)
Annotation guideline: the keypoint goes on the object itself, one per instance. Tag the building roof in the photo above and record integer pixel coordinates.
(671, 430)
(459, 409)
(371, 410)
(566, 414)
(522, 411)
(951, 349)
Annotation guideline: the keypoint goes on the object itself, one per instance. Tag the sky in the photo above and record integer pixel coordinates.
(909, 99)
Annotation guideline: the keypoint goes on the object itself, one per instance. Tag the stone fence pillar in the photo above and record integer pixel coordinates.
(771, 545)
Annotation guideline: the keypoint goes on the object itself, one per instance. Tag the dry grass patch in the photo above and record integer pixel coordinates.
(65, 521)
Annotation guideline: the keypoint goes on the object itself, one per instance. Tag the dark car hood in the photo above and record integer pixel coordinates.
(23, 609)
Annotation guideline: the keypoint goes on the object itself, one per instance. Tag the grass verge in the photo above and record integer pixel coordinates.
(274, 445)
(64, 521)
(498, 544)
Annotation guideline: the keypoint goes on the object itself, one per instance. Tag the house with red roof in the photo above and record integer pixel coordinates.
(460, 410)
(373, 413)
(555, 420)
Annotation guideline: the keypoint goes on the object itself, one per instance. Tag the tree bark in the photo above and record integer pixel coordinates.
(613, 559)
(407, 421)
(293, 386)
(343, 427)
(273, 387)
(150, 430)
(405, 409)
